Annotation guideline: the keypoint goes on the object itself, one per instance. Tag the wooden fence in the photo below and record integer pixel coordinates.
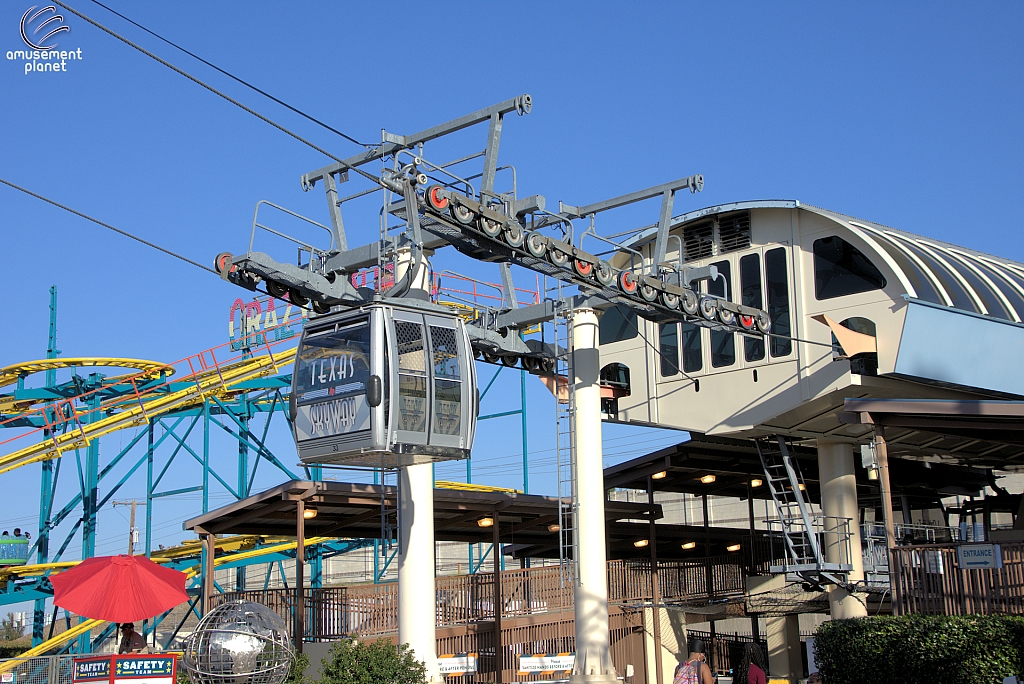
(371, 609)
(536, 610)
(927, 579)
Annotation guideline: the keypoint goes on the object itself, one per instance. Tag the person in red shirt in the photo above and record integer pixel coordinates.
(752, 669)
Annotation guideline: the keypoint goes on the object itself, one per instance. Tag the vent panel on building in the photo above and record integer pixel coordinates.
(734, 232)
(698, 240)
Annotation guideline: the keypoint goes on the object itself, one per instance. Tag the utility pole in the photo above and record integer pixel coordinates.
(133, 532)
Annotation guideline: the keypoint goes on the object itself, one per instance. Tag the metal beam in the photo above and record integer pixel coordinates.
(522, 104)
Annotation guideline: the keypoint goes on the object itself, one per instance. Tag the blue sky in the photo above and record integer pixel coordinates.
(907, 114)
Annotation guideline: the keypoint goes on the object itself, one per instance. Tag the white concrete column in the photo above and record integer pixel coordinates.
(593, 652)
(417, 618)
(785, 660)
(839, 499)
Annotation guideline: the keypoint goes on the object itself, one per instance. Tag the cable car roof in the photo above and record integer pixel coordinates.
(931, 270)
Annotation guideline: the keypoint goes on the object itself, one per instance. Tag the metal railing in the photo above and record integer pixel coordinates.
(39, 670)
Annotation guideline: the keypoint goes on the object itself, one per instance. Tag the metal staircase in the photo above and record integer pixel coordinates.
(803, 532)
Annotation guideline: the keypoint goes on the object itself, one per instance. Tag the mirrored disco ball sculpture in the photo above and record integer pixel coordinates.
(240, 642)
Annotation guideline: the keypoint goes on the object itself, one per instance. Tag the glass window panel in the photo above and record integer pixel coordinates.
(723, 343)
(777, 285)
(447, 407)
(412, 377)
(668, 348)
(750, 294)
(412, 403)
(444, 343)
(334, 364)
(841, 269)
(411, 355)
(693, 353)
(617, 323)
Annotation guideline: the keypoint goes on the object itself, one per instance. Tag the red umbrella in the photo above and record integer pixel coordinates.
(119, 588)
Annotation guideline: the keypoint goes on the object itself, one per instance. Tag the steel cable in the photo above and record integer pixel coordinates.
(233, 77)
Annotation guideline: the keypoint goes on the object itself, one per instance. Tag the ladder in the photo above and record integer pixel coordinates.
(388, 545)
(565, 447)
(799, 533)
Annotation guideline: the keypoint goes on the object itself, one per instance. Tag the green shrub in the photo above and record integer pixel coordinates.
(379, 662)
(297, 671)
(960, 649)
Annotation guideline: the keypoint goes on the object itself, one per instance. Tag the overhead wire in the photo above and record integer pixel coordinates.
(233, 77)
(213, 90)
(107, 226)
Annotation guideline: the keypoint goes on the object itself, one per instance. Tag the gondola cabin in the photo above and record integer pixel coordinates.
(384, 386)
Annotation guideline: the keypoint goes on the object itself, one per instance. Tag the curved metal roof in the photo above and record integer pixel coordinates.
(929, 269)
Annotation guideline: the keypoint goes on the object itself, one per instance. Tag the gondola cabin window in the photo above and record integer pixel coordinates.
(444, 343)
(412, 377)
(331, 375)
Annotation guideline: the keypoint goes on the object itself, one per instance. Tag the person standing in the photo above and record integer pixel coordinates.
(694, 670)
(752, 669)
(131, 641)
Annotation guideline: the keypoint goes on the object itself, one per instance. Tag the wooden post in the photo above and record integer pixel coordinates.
(300, 579)
(209, 549)
(655, 583)
(882, 454)
(499, 652)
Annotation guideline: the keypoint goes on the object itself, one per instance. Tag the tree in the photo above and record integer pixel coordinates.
(10, 629)
(381, 662)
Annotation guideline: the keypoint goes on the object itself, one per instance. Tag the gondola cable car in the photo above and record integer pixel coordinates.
(387, 385)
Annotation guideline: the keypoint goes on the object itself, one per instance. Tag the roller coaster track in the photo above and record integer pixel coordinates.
(170, 556)
(142, 406)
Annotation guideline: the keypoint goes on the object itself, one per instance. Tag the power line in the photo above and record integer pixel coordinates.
(232, 76)
(211, 88)
(107, 225)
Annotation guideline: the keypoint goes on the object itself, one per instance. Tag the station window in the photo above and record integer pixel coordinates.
(750, 295)
(668, 348)
(617, 323)
(723, 344)
(693, 352)
(841, 269)
(777, 284)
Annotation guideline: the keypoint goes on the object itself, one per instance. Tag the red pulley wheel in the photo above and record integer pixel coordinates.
(224, 261)
(435, 199)
(627, 281)
(584, 268)
(747, 322)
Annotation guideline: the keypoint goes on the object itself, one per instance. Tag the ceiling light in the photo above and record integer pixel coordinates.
(732, 547)
(658, 476)
(872, 474)
(689, 545)
(485, 522)
(802, 486)
(708, 479)
(640, 543)
(554, 527)
(756, 482)
(309, 512)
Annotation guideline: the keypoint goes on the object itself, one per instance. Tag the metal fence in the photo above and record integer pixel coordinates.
(42, 670)
(927, 579)
(726, 650)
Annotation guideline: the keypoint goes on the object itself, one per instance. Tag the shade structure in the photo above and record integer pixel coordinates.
(119, 588)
